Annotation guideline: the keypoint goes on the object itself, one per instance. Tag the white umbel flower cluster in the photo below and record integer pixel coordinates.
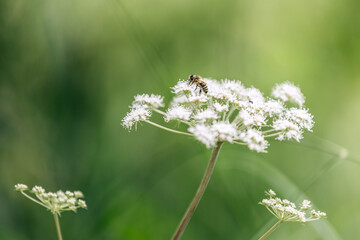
(55, 202)
(286, 211)
(288, 92)
(229, 112)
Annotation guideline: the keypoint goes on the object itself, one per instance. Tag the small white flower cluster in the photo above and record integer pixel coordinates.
(289, 92)
(229, 112)
(141, 109)
(286, 211)
(55, 202)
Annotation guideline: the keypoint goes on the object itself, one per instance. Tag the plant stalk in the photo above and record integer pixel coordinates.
(276, 225)
(168, 129)
(200, 192)
(57, 223)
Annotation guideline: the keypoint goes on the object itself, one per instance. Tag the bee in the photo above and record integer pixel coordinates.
(196, 79)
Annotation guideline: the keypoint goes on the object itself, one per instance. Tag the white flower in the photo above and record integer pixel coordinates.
(204, 115)
(178, 100)
(289, 130)
(178, 113)
(82, 203)
(78, 194)
(317, 214)
(233, 86)
(273, 107)
(69, 194)
(255, 140)
(183, 87)
(198, 98)
(254, 95)
(228, 112)
(21, 187)
(287, 211)
(250, 117)
(221, 108)
(38, 190)
(217, 91)
(224, 131)
(305, 205)
(204, 134)
(55, 202)
(288, 92)
(155, 101)
(71, 201)
(301, 117)
(140, 113)
(271, 193)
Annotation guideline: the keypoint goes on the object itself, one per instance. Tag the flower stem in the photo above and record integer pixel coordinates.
(200, 192)
(168, 129)
(57, 223)
(158, 111)
(32, 199)
(276, 225)
(273, 135)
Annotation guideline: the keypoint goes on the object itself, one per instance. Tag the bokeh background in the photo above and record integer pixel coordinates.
(69, 70)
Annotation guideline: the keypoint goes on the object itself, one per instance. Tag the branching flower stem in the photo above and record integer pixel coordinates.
(276, 225)
(57, 223)
(273, 135)
(32, 199)
(200, 192)
(54, 202)
(158, 111)
(168, 129)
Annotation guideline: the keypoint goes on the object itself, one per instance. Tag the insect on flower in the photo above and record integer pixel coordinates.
(199, 82)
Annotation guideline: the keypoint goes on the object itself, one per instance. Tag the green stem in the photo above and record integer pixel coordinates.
(32, 199)
(200, 192)
(240, 143)
(276, 225)
(273, 135)
(57, 223)
(159, 111)
(232, 109)
(168, 129)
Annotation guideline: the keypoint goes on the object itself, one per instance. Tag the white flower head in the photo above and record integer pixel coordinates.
(287, 211)
(252, 118)
(204, 134)
(198, 98)
(225, 132)
(302, 117)
(38, 190)
(288, 92)
(228, 112)
(179, 100)
(255, 140)
(55, 202)
(217, 91)
(254, 95)
(140, 113)
(152, 100)
(317, 214)
(270, 193)
(21, 187)
(273, 107)
(178, 113)
(233, 86)
(305, 205)
(205, 115)
(183, 87)
(221, 107)
(288, 130)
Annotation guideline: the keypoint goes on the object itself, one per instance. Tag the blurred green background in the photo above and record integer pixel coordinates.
(69, 71)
